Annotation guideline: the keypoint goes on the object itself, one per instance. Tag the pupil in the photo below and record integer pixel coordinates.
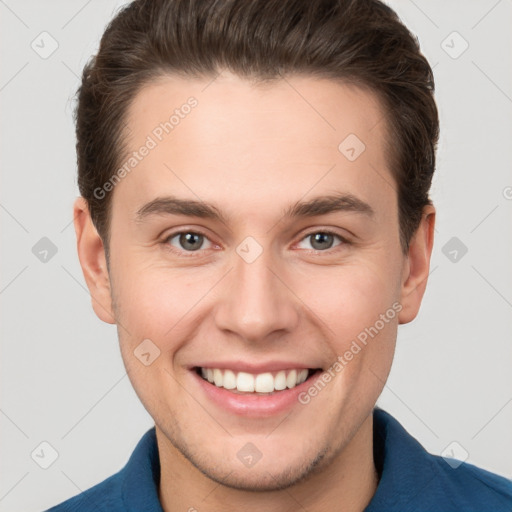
(191, 241)
(322, 241)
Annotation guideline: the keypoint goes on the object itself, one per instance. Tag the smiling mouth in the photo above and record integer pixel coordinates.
(262, 383)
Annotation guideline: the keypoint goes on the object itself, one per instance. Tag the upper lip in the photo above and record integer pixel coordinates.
(255, 368)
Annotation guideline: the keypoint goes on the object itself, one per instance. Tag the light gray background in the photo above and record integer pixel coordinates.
(63, 380)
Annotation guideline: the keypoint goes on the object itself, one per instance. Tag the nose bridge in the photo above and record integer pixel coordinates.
(256, 303)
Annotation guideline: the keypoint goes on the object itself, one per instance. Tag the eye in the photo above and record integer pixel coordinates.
(188, 241)
(322, 240)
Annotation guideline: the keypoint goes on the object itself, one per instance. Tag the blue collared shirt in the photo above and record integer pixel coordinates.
(410, 480)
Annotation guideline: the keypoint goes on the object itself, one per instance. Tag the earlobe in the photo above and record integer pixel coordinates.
(91, 254)
(417, 266)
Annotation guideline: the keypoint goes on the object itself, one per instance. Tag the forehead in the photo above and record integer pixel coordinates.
(322, 109)
(226, 138)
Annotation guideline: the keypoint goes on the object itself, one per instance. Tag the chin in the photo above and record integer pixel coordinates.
(273, 474)
(264, 479)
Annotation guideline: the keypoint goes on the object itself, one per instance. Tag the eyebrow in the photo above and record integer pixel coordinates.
(170, 205)
(322, 205)
(329, 204)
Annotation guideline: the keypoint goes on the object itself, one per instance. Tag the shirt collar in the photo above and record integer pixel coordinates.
(405, 468)
(142, 476)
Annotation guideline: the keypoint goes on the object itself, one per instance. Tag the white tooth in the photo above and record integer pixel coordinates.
(264, 383)
(244, 382)
(217, 377)
(229, 380)
(261, 383)
(302, 376)
(280, 381)
(291, 379)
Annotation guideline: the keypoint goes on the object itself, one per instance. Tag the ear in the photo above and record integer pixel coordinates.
(417, 266)
(91, 254)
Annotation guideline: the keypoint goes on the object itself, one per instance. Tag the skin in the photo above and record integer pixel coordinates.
(253, 151)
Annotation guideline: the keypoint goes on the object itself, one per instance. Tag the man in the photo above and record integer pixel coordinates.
(255, 220)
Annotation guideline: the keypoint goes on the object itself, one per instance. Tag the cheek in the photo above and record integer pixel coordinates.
(154, 310)
(360, 306)
(157, 303)
(355, 302)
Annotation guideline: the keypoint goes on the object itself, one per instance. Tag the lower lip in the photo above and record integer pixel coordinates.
(254, 405)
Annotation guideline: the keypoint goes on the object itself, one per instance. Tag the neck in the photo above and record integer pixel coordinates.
(347, 482)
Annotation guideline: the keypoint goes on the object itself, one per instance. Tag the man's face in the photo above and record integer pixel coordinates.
(257, 290)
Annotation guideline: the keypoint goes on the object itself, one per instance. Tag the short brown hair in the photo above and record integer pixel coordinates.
(358, 41)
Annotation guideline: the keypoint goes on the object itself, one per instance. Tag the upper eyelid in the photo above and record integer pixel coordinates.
(326, 231)
(183, 231)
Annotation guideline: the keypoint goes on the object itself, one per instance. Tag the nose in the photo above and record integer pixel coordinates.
(256, 303)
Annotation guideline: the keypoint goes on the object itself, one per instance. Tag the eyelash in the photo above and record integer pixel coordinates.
(183, 253)
(342, 239)
(192, 254)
